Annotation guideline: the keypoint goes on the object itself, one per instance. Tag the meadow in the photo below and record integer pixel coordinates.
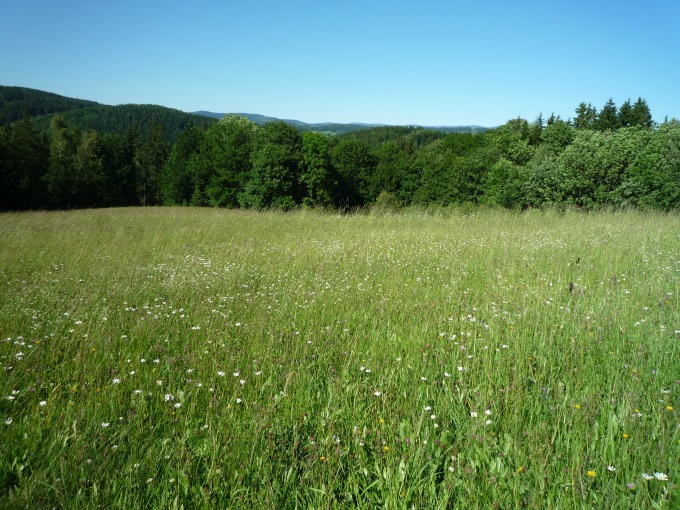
(205, 358)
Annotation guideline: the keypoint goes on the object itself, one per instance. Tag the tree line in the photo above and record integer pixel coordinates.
(613, 157)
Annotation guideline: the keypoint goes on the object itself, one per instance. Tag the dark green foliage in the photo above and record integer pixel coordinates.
(638, 114)
(462, 143)
(118, 159)
(537, 130)
(118, 119)
(653, 177)
(513, 141)
(355, 165)
(274, 175)
(317, 176)
(63, 186)
(557, 135)
(393, 174)
(503, 184)
(539, 183)
(625, 115)
(607, 119)
(76, 175)
(641, 114)
(271, 181)
(222, 164)
(149, 161)
(336, 129)
(18, 102)
(585, 116)
(608, 158)
(376, 136)
(23, 162)
(177, 182)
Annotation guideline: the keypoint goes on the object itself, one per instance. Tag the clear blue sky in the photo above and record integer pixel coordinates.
(429, 62)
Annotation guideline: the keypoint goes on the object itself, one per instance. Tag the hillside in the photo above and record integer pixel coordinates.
(118, 119)
(15, 102)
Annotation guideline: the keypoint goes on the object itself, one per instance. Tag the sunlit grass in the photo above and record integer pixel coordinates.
(153, 358)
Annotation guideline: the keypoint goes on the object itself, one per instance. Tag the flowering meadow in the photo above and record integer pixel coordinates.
(205, 358)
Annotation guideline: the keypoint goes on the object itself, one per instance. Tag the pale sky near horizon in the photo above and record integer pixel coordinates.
(427, 63)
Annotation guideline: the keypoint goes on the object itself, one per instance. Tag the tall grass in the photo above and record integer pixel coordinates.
(174, 357)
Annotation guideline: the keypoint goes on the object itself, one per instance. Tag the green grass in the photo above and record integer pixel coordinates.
(205, 358)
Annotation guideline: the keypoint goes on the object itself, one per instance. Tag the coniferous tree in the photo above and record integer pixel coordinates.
(641, 114)
(177, 183)
(607, 119)
(536, 130)
(149, 161)
(88, 168)
(60, 178)
(127, 170)
(110, 147)
(625, 115)
(23, 163)
(75, 176)
(585, 116)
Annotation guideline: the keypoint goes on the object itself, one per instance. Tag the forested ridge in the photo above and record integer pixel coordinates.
(608, 157)
(337, 128)
(16, 102)
(117, 119)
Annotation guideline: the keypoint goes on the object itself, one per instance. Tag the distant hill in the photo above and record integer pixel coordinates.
(338, 128)
(325, 127)
(15, 102)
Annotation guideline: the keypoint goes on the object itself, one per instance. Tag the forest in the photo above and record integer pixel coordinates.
(613, 157)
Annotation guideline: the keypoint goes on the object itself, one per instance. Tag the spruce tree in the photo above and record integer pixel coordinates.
(625, 116)
(607, 119)
(585, 116)
(640, 114)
